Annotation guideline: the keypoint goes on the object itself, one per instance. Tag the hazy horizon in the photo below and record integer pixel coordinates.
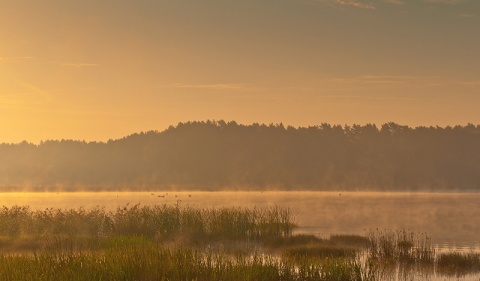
(99, 70)
(317, 125)
(220, 155)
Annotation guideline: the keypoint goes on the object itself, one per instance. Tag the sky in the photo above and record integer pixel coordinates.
(102, 69)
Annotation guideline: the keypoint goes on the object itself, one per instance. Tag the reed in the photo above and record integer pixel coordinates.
(458, 264)
(160, 222)
(163, 263)
(171, 242)
(401, 245)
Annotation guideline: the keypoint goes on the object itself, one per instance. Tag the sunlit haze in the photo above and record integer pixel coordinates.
(95, 70)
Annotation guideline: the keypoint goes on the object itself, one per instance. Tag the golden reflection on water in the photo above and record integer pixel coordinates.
(451, 219)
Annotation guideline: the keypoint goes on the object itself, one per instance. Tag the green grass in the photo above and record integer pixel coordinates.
(161, 222)
(163, 263)
(171, 242)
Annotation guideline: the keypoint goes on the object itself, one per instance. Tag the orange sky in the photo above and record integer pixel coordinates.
(94, 70)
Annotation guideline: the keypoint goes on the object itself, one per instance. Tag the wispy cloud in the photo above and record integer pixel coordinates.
(367, 97)
(470, 83)
(385, 79)
(94, 113)
(350, 3)
(29, 95)
(399, 80)
(79, 65)
(466, 15)
(14, 58)
(449, 2)
(13, 99)
(356, 4)
(394, 2)
(219, 86)
(75, 64)
(375, 79)
(36, 90)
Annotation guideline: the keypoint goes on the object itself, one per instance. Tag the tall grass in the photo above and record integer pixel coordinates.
(171, 242)
(161, 222)
(458, 264)
(401, 245)
(147, 263)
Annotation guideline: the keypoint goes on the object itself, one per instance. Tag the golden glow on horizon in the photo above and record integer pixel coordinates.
(98, 70)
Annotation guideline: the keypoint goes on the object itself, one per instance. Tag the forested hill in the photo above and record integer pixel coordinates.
(218, 155)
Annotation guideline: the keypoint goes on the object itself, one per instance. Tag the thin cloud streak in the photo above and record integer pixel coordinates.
(375, 79)
(386, 79)
(465, 15)
(356, 4)
(448, 2)
(33, 95)
(394, 2)
(470, 83)
(93, 113)
(367, 97)
(219, 86)
(39, 92)
(12, 99)
(349, 3)
(75, 65)
(80, 65)
(14, 58)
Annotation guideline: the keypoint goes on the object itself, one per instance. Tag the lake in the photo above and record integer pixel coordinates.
(451, 219)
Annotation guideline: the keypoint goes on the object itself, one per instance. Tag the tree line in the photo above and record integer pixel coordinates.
(217, 155)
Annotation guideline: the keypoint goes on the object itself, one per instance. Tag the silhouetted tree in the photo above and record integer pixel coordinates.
(215, 155)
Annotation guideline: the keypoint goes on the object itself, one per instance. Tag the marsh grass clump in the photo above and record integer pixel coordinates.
(161, 223)
(170, 242)
(404, 246)
(164, 263)
(458, 263)
(13, 220)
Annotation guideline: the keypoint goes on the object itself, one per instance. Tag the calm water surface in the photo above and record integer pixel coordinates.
(451, 219)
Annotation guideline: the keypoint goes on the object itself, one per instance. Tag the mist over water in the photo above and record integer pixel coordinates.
(218, 156)
(451, 219)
